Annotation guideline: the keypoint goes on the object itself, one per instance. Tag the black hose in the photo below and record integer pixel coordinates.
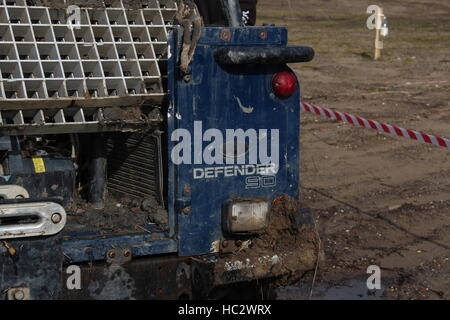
(232, 10)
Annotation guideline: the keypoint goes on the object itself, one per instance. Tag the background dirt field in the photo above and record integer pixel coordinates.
(379, 200)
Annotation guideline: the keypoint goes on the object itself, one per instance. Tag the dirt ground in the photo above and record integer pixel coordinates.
(379, 200)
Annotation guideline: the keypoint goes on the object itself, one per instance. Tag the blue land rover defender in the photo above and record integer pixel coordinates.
(144, 153)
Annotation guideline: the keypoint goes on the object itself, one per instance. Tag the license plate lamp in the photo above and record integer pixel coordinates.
(245, 216)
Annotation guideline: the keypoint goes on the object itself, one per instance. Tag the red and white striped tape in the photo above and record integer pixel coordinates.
(379, 126)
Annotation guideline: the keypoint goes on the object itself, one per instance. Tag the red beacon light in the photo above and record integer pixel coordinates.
(284, 84)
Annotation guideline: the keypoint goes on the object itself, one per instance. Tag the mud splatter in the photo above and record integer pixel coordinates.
(285, 248)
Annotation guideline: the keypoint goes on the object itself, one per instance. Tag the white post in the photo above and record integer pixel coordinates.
(378, 42)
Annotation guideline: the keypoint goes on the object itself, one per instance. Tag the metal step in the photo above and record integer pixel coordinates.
(76, 120)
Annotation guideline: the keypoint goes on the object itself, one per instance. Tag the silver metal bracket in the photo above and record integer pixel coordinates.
(12, 192)
(31, 220)
(119, 256)
(19, 294)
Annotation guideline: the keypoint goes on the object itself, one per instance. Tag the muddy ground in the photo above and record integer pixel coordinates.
(379, 200)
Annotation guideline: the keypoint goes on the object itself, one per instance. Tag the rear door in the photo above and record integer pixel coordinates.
(222, 98)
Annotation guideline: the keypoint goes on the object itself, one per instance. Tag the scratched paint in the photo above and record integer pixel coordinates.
(248, 264)
(120, 285)
(247, 110)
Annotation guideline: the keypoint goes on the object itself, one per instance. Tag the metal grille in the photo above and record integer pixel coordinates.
(111, 58)
(113, 52)
(134, 166)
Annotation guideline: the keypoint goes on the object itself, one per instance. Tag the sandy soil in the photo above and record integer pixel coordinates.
(379, 200)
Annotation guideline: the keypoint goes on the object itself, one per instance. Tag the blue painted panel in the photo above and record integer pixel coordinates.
(94, 249)
(248, 36)
(215, 96)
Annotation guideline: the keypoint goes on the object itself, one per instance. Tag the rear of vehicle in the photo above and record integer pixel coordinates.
(127, 173)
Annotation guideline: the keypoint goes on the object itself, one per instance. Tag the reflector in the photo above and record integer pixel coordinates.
(284, 84)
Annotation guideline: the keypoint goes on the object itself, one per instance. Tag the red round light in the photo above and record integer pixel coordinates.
(284, 84)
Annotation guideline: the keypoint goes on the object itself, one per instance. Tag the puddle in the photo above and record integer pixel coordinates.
(355, 289)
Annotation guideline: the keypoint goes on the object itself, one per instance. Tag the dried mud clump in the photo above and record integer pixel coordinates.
(123, 214)
(295, 248)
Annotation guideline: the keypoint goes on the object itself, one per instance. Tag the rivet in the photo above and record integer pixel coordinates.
(225, 35)
(263, 34)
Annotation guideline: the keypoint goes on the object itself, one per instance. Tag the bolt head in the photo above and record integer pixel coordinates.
(56, 218)
(187, 189)
(187, 210)
(19, 295)
(187, 78)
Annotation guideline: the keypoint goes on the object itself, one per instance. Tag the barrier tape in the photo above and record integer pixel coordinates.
(375, 125)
